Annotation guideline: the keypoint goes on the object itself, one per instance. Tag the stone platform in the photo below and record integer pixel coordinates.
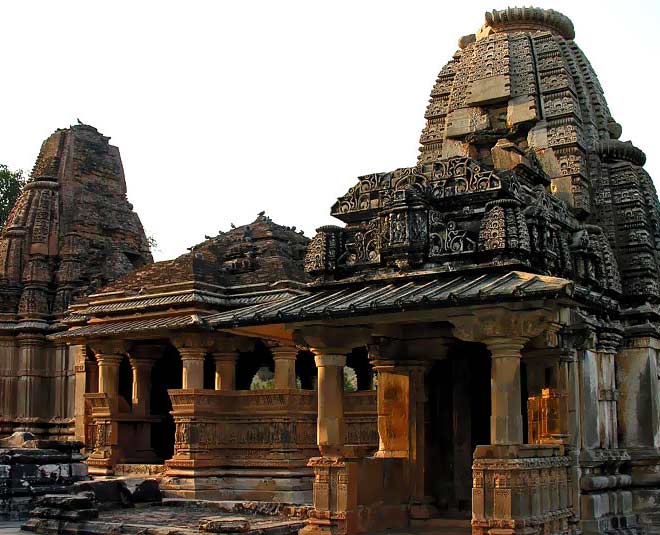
(182, 517)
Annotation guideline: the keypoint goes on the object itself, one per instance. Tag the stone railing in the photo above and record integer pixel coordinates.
(259, 428)
(360, 409)
(521, 489)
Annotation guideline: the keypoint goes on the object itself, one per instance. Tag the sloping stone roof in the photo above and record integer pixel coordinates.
(399, 296)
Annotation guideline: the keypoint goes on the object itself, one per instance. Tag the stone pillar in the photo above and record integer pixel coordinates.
(109, 373)
(331, 428)
(192, 359)
(505, 332)
(225, 370)
(506, 426)
(109, 354)
(142, 359)
(141, 386)
(79, 353)
(193, 347)
(607, 347)
(639, 398)
(285, 366)
(108, 449)
(639, 419)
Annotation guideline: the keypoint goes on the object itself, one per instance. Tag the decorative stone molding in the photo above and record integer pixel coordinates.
(613, 149)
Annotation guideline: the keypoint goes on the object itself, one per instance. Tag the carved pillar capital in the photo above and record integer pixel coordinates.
(284, 352)
(609, 342)
(225, 356)
(336, 340)
(192, 353)
(580, 336)
(329, 359)
(105, 360)
(504, 346)
(232, 344)
(145, 352)
(108, 347)
(193, 340)
(499, 322)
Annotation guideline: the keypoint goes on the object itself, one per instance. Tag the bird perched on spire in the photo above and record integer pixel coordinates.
(232, 225)
(80, 122)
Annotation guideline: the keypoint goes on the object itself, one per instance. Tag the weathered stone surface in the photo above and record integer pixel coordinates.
(143, 490)
(466, 121)
(108, 493)
(82, 500)
(489, 90)
(76, 515)
(521, 110)
(16, 440)
(219, 524)
(32, 476)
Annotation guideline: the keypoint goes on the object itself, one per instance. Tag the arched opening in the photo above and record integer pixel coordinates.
(249, 363)
(165, 375)
(458, 419)
(264, 379)
(358, 361)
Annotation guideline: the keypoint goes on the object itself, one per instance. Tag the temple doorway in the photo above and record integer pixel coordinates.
(165, 375)
(458, 419)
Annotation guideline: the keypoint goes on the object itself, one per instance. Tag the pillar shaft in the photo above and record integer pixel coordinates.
(33, 385)
(108, 373)
(141, 385)
(506, 426)
(285, 367)
(330, 424)
(193, 367)
(639, 396)
(225, 370)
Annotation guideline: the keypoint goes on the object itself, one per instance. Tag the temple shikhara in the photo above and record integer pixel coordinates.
(478, 338)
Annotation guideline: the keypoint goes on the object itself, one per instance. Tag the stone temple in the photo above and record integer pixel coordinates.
(479, 339)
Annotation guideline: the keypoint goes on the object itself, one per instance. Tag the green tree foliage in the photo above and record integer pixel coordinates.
(11, 185)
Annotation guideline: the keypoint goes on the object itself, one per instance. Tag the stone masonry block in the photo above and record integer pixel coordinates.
(521, 110)
(465, 121)
(489, 90)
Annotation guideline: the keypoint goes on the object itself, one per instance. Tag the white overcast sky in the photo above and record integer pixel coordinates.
(222, 109)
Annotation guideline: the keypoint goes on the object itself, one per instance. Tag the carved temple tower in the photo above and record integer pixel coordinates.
(71, 231)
